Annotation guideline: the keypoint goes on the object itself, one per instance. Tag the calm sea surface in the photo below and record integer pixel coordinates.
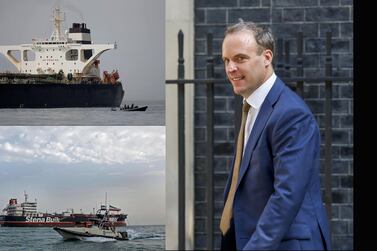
(153, 116)
(32, 239)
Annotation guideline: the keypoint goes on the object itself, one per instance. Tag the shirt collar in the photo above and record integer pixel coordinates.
(256, 99)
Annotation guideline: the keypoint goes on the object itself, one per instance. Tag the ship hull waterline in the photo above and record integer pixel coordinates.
(57, 95)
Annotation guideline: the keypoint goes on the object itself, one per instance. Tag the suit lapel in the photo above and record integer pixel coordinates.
(259, 125)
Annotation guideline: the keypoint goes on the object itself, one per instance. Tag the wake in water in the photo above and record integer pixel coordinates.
(136, 235)
(97, 239)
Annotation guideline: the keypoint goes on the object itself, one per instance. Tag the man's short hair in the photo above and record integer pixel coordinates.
(263, 35)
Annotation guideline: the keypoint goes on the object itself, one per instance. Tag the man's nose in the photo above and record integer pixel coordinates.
(232, 66)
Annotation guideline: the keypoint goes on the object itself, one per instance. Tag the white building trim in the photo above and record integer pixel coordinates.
(179, 16)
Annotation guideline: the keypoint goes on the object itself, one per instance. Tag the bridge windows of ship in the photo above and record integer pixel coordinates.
(71, 55)
(15, 55)
(85, 54)
(28, 55)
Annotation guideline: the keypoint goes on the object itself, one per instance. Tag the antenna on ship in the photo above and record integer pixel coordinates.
(25, 195)
(57, 18)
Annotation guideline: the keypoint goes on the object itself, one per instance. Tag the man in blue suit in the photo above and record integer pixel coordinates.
(273, 197)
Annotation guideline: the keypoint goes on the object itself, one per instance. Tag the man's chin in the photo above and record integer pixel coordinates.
(238, 91)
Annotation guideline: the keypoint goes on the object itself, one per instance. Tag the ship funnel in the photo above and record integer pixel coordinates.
(13, 202)
(80, 34)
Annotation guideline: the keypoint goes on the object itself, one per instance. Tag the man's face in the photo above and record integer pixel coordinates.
(245, 69)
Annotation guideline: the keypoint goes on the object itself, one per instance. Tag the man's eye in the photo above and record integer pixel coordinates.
(239, 59)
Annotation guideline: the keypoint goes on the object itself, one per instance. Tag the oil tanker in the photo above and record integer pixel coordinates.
(25, 215)
(62, 71)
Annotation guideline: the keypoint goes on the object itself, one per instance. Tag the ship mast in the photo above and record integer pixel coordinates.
(26, 196)
(57, 18)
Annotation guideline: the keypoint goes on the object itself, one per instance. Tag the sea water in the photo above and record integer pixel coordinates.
(45, 238)
(153, 116)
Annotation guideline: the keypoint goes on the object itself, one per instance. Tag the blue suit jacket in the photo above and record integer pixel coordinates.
(278, 204)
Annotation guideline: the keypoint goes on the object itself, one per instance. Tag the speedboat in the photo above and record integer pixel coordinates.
(132, 108)
(97, 228)
(80, 233)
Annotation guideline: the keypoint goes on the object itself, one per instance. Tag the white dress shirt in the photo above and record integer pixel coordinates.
(255, 100)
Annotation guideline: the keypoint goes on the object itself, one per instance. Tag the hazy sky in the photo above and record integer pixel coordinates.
(74, 167)
(137, 26)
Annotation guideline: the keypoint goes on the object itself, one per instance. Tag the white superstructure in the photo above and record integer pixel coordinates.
(71, 53)
(26, 208)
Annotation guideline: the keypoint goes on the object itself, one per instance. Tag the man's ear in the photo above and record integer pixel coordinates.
(268, 55)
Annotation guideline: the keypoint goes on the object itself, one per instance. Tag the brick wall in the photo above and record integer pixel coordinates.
(285, 17)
